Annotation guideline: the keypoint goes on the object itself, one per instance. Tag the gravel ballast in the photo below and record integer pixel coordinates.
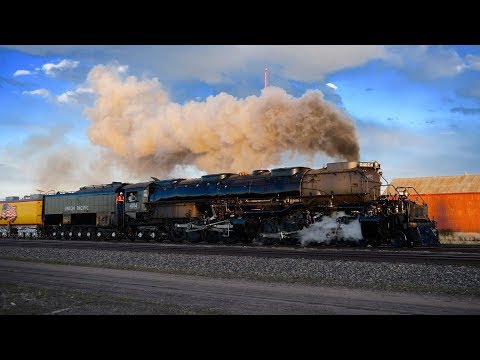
(419, 278)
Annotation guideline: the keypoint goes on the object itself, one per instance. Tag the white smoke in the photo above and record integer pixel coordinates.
(328, 230)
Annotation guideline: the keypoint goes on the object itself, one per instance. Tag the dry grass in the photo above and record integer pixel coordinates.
(459, 238)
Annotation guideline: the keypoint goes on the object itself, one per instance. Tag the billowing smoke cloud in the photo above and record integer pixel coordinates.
(50, 162)
(151, 135)
(328, 230)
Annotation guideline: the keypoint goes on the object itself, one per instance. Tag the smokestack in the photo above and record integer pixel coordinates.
(266, 77)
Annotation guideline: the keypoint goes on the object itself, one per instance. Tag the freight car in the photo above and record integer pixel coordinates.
(21, 217)
(265, 206)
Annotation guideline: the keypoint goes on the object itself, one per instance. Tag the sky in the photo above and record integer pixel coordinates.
(78, 115)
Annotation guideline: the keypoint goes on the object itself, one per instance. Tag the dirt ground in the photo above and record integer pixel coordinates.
(26, 300)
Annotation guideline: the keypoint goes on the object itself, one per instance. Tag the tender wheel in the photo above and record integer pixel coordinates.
(153, 235)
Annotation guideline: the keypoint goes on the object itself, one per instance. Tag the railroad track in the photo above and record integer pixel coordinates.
(446, 255)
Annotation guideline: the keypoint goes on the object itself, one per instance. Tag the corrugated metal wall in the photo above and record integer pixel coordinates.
(457, 212)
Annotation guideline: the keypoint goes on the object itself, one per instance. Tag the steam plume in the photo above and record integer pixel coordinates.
(328, 229)
(151, 135)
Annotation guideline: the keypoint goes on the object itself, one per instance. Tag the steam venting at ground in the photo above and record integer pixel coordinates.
(328, 230)
(145, 131)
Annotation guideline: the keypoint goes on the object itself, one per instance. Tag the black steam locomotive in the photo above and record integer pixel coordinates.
(265, 206)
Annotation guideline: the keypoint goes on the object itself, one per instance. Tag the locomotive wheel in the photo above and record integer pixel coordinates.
(398, 239)
(130, 234)
(247, 239)
(212, 237)
(268, 226)
(231, 239)
(193, 236)
(361, 243)
(371, 241)
(153, 235)
(376, 241)
(146, 236)
(177, 234)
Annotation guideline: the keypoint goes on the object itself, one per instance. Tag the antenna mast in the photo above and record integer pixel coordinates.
(266, 77)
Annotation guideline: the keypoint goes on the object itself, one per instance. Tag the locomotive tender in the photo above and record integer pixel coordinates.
(265, 206)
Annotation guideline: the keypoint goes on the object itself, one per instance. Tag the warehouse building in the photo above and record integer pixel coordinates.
(453, 201)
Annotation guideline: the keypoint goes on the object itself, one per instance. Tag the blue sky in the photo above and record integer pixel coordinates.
(415, 109)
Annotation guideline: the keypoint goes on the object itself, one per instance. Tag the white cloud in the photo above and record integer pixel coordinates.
(295, 62)
(82, 90)
(473, 61)
(213, 63)
(52, 69)
(333, 86)
(426, 62)
(80, 95)
(21, 72)
(311, 63)
(66, 97)
(38, 92)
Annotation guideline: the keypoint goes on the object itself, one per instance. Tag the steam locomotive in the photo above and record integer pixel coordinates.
(265, 206)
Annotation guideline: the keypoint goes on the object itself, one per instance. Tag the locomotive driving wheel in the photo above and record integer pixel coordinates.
(212, 236)
(177, 234)
(193, 236)
(398, 238)
(268, 226)
(377, 240)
